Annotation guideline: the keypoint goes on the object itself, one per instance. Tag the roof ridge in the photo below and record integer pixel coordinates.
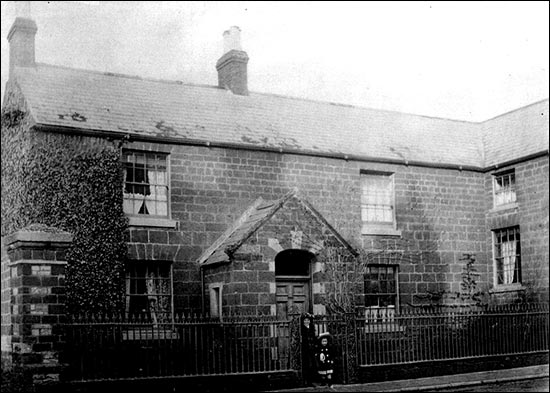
(126, 76)
(271, 210)
(288, 97)
(515, 110)
(363, 107)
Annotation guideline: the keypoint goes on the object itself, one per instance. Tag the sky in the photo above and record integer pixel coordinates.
(459, 60)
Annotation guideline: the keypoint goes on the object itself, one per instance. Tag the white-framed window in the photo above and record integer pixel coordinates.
(504, 188)
(507, 256)
(378, 203)
(377, 198)
(149, 290)
(145, 184)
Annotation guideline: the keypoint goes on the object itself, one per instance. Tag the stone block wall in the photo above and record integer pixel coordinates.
(441, 213)
(247, 284)
(33, 314)
(530, 213)
(177, 247)
(5, 305)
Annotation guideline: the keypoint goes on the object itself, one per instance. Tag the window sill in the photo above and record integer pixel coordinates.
(507, 288)
(151, 222)
(147, 333)
(508, 206)
(379, 230)
(383, 327)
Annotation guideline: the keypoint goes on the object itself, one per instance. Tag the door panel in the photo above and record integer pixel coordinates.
(292, 297)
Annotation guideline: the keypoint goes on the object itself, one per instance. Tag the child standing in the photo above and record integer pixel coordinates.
(308, 349)
(325, 359)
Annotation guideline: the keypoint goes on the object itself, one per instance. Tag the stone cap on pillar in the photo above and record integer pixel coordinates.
(37, 233)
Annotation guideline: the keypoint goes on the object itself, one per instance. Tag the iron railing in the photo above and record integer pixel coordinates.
(118, 348)
(101, 348)
(453, 333)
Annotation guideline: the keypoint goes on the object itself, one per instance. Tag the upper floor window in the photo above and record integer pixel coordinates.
(504, 188)
(377, 198)
(507, 256)
(145, 184)
(378, 203)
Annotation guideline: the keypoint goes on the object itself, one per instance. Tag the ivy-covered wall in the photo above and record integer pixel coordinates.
(73, 183)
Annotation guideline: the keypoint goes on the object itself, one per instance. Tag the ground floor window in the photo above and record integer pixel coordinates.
(381, 292)
(149, 290)
(507, 256)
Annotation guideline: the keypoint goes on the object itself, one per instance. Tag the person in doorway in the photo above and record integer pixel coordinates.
(325, 359)
(308, 348)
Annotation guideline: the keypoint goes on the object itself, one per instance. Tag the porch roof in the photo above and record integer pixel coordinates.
(251, 220)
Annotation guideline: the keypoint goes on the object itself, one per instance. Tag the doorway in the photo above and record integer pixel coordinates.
(293, 292)
(293, 278)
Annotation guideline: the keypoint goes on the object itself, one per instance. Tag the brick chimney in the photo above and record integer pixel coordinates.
(21, 37)
(231, 66)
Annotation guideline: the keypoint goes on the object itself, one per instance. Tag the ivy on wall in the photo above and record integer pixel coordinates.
(73, 183)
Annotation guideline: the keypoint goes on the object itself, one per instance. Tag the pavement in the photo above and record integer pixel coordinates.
(440, 382)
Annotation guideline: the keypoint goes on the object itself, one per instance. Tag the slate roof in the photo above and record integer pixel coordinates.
(516, 134)
(96, 101)
(251, 220)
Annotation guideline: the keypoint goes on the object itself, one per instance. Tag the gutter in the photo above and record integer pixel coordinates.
(287, 150)
(517, 160)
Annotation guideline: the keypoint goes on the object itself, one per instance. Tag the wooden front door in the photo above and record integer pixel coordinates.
(292, 279)
(292, 297)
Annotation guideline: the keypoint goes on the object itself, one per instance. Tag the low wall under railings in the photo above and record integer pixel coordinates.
(423, 369)
(101, 348)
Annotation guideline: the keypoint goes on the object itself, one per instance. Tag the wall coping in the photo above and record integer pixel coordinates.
(36, 262)
(38, 237)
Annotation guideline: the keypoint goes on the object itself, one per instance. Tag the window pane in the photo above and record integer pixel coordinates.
(507, 256)
(149, 291)
(376, 198)
(380, 285)
(145, 188)
(504, 189)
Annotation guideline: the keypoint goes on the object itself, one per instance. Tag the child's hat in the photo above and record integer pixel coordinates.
(325, 334)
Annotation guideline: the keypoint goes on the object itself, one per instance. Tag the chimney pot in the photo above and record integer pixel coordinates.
(232, 39)
(21, 37)
(232, 66)
(23, 9)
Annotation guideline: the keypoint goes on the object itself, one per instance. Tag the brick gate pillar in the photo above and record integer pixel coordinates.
(33, 300)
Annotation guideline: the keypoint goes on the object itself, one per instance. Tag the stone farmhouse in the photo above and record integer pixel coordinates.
(240, 201)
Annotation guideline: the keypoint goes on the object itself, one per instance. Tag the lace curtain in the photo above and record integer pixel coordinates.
(376, 198)
(508, 262)
(155, 202)
(157, 290)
